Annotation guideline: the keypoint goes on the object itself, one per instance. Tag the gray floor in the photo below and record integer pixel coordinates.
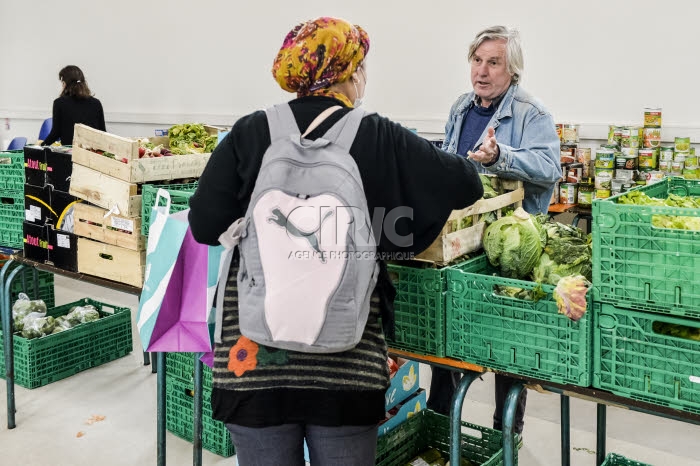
(50, 418)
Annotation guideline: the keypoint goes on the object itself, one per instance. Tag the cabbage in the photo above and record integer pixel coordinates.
(570, 296)
(514, 244)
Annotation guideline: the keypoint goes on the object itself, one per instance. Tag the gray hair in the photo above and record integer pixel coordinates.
(514, 52)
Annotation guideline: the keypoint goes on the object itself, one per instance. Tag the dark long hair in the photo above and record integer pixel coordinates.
(76, 86)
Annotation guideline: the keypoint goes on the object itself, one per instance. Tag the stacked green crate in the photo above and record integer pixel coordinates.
(11, 198)
(614, 459)
(647, 293)
(40, 361)
(427, 429)
(519, 336)
(179, 200)
(419, 308)
(179, 405)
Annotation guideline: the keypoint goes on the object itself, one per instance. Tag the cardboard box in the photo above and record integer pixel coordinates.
(35, 166)
(127, 166)
(403, 384)
(98, 224)
(118, 196)
(111, 262)
(44, 244)
(48, 166)
(37, 205)
(47, 205)
(403, 411)
(36, 242)
(63, 250)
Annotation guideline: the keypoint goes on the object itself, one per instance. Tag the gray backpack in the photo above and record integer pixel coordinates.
(307, 253)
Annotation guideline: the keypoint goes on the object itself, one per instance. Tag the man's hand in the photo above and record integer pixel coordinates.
(488, 151)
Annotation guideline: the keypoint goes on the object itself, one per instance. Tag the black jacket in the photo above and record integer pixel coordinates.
(67, 111)
(398, 168)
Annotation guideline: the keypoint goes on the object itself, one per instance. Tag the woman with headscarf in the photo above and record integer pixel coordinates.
(271, 399)
(75, 105)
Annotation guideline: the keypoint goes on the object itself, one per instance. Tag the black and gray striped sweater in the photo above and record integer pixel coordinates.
(257, 386)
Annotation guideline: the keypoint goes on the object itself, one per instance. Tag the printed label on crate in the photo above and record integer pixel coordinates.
(123, 224)
(694, 379)
(161, 132)
(33, 213)
(63, 241)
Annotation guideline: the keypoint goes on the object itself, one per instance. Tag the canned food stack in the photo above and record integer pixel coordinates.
(575, 167)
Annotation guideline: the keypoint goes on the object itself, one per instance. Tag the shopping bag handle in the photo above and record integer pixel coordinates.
(162, 193)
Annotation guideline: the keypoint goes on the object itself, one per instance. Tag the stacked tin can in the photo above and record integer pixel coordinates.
(574, 165)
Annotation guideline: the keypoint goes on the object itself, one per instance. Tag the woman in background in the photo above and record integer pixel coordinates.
(75, 105)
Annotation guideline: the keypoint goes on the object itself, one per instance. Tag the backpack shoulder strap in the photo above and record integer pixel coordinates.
(281, 121)
(344, 131)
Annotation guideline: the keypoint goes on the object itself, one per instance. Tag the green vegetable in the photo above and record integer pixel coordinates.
(673, 200)
(567, 252)
(515, 243)
(676, 330)
(534, 294)
(489, 192)
(23, 307)
(190, 138)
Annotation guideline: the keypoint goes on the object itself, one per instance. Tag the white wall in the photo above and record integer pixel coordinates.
(156, 62)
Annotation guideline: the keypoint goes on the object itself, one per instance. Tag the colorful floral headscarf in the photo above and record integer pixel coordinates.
(318, 53)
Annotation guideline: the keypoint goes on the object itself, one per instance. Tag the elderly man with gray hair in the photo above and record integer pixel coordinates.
(506, 132)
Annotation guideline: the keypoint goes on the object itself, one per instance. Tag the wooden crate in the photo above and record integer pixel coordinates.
(135, 170)
(118, 196)
(454, 242)
(96, 223)
(111, 262)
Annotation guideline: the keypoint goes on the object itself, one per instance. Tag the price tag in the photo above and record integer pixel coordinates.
(123, 224)
(63, 241)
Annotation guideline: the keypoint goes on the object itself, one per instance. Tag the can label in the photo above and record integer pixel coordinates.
(567, 154)
(682, 144)
(652, 117)
(626, 162)
(654, 176)
(651, 138)
(569, 133)
(630, 151)
(585, 195)
(630, 137)
(665, 165)
(614, 135)
(666, 153)
(602, 193)
(575, 173)
(676, 167)
(604, 158)
(603, 178)
(559, 126)
(567, 193)
(648, 158)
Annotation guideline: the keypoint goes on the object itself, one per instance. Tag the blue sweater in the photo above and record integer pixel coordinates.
(473, 126)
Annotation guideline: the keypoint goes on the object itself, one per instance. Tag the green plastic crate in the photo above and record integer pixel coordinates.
(613, 459)
(24, 283)
(12, 173)
(514, 335)
(639, 266)
(44, 360)
(427, 429)
(419, 309)
(181, 367)
(179, 200)
(11, 219)
(179, 413)
(634, 361)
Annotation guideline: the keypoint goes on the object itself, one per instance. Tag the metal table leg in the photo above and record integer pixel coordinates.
(154, 367)
(509, 447)
(197, 437)
(6, 311)
(456, 415)
(565, 432)
(160, 402)
(146, 359)
(601, 434)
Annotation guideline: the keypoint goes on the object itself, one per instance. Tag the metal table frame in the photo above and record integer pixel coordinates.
(18, 263)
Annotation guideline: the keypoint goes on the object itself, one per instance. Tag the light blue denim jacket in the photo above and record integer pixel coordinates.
(527, 139)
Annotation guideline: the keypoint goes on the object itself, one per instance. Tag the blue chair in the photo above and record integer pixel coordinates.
(17, 143)
(45, 128)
